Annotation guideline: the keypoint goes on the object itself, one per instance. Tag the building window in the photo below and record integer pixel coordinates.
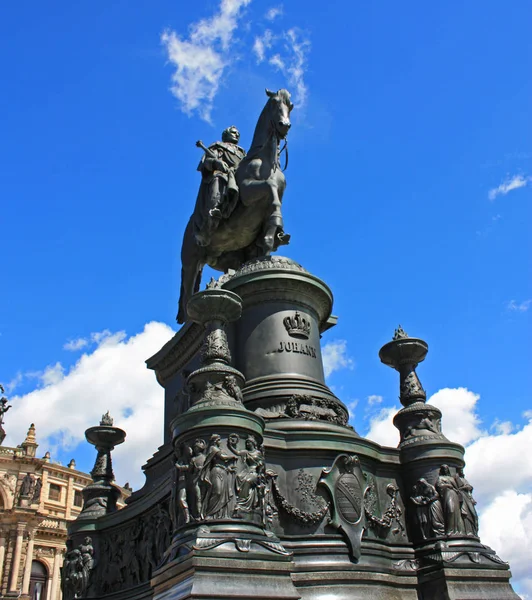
(55, 492)
(78, 498)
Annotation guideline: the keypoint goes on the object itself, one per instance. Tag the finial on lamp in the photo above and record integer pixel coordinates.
(400, 334)
(106, 419)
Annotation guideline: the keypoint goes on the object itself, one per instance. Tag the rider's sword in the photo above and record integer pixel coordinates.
(208, 151)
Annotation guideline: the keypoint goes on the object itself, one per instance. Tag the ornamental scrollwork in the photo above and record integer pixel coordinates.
(308, 408)
(301, 516)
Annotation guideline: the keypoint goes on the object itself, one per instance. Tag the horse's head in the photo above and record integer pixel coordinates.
(280, 108)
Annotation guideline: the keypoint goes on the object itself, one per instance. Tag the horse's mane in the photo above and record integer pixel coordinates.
(285, 96)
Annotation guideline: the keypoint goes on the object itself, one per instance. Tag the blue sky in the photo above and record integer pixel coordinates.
(409, 187)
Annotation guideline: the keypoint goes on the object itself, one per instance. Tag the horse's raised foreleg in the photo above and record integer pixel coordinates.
(192, 262)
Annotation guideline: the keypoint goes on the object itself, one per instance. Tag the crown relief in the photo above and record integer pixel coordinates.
(297, 326)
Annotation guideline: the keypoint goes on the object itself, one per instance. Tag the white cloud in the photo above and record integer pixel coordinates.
(201, 59)
(113, 377)
(75, 345)
(335, 357)
(97, 338)
(289, 52)
(293, 63)
(261, 44)
(107, 338)
(501, 462)
(374, 400)
(274, 12)
(502, 427)
(519, 306)
(381, 427)
(277, 62)
(53, 374)
(509, 184)
(460, 422)
(505, 525)
(14, 383)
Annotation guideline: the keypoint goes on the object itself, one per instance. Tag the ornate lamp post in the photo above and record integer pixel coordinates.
(417, 421)
(100, 496)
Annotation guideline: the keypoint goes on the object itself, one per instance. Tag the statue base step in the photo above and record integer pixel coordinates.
(203, 577)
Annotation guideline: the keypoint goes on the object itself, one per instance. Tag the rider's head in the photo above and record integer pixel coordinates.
(231, 135)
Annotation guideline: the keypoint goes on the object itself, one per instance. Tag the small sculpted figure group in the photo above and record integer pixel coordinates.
(216, 481)
(422, 424)
(446, 508)
(130, 555)
(30, 489)
(77, 568)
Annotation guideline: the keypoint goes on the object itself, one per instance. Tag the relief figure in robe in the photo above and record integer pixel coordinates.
(429, 511)
(451, 501)
(468, 510)
(217, 475)
(248, 480)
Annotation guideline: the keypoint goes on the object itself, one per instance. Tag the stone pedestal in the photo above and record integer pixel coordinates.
(277, 343)
(263, 490)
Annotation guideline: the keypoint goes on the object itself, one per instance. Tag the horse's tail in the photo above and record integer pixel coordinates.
(184, 297)
(182, 310)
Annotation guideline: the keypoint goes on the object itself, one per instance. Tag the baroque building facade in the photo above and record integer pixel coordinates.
(38, 497)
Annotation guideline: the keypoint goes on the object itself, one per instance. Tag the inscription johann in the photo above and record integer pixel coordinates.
(297, 348)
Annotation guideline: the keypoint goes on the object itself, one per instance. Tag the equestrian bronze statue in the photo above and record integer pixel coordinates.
(237, 216)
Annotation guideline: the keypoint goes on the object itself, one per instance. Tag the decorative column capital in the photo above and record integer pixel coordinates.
(21, 528)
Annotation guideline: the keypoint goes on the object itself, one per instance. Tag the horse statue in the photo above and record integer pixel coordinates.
(254, 228)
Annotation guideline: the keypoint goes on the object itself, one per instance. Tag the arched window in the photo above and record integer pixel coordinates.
(39, 577)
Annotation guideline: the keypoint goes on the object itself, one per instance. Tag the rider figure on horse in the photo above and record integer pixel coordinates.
(218, 193)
